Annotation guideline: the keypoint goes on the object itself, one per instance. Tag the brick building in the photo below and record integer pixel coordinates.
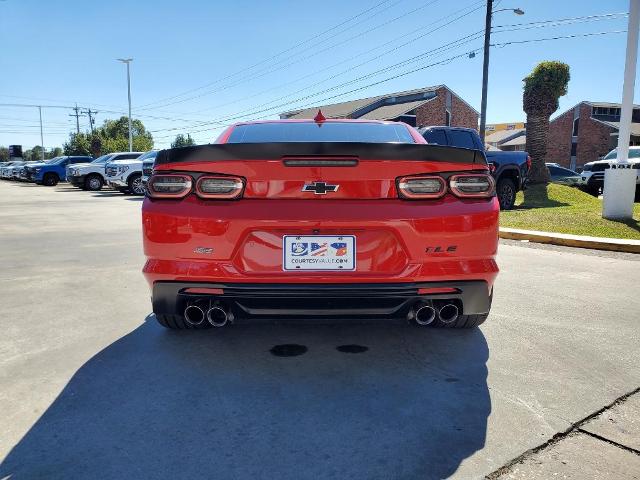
(424, 106)
(586, 132)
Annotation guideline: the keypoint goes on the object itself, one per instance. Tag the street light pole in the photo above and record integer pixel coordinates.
(128, 61)
(41, 134)
(620, 180)
(485, 69)
(485, 62)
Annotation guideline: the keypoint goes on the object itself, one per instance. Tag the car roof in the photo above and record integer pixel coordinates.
(311, 120)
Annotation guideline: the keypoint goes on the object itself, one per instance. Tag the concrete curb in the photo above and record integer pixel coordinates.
(596, 243)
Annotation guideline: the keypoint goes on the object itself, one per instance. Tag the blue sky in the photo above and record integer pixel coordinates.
(253, 59)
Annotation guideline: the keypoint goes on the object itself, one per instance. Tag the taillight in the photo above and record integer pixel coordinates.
(422, 187)
(472, 185)
(169, 186)
(528, 162)
(224, 188)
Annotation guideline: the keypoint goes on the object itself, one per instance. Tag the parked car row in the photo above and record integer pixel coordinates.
(121, 170)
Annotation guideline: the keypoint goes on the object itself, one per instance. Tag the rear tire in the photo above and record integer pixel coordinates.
(177, 322)
(506, 191)
(50, 180)
(93, 183)
(592, 189)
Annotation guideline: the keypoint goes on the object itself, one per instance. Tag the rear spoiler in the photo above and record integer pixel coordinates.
(355, 150)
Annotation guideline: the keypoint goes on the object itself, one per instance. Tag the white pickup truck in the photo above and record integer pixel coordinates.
(126, 175)
(593, 172)
(90, 176)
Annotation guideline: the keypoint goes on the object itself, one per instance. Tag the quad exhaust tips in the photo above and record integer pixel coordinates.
(194, 315)
(217, 316)
(448, 313)
(425, 314)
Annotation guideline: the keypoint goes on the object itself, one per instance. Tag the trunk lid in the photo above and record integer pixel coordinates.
(320, 170)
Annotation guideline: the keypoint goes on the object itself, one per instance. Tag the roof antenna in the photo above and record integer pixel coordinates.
(319, 118)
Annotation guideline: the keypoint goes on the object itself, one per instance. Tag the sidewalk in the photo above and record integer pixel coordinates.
(606, 446)
(596, 243)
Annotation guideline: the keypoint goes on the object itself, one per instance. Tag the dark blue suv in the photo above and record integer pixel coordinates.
(52, 171)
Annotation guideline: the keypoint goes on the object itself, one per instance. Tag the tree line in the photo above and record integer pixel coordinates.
(112, 136)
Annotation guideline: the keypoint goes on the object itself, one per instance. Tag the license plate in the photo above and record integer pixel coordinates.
(318, 252)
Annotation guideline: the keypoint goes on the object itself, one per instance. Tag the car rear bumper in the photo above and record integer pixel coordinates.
(312, 302)
(401, 247)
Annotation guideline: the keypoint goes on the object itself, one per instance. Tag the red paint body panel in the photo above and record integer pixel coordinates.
(393, 235)
(397, 240)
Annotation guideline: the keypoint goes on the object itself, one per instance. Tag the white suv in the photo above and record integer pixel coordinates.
(90, 176)
(126, 175)
(593, 172)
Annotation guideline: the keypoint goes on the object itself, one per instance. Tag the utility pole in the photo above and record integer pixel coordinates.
(78, 114)
(620, 179)
(90, 114)
(485, 62)
(127, 61)
(41, 133)
(485, 70)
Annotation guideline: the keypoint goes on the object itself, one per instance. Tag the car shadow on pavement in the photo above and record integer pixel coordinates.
(108, 193)
(218, 404)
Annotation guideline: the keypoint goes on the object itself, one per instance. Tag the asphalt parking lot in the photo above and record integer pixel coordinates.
(92, 387)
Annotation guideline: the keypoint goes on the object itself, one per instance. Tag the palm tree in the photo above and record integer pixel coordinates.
(542, 89)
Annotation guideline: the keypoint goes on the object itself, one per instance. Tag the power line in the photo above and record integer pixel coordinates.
(518, 27)
(448, 46)
(263, 73)
(448, 60)
(602, 16)
(282, 52)
(360, 55)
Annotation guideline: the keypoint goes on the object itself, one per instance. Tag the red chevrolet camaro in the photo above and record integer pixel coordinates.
(318, 220)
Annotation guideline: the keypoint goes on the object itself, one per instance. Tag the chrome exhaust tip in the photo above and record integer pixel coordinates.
(425, 315)
(217, 316)
(448, 313)
(194, 315)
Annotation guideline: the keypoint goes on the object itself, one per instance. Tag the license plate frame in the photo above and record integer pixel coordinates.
(326, 258)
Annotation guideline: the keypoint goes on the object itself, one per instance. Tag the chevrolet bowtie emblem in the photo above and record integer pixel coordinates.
(320, 188)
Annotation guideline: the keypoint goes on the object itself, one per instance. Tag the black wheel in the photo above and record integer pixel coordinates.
(93, 183)
(136, 186)
(506, 191)
(176, 322)
(637, 198)
(592, 189)
(50, 180)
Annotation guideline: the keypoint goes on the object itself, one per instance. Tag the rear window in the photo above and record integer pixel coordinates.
(460, 138)
(633, 153)
(322, 132)
(126, 156)
(435, 136)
